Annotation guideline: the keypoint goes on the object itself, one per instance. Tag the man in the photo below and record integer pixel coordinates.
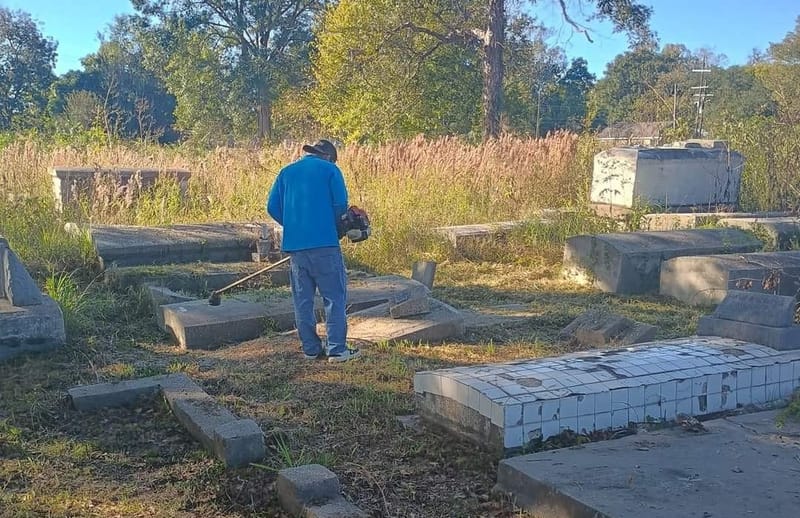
(307, 199)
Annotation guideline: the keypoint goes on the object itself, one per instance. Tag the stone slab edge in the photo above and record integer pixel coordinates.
(778, 338)
(236, 442)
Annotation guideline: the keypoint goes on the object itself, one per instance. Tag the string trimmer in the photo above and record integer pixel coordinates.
(215, 297)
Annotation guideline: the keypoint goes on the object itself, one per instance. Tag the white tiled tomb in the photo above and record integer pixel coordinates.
(505, 406)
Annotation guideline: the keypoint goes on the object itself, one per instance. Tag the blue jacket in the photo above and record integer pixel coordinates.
(307, 199)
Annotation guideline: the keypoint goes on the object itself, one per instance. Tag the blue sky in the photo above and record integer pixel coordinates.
(730, 27)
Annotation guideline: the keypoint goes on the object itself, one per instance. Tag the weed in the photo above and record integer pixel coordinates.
(791, 412)
(73, 300)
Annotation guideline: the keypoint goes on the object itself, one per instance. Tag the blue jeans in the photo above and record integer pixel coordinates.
(323, 269)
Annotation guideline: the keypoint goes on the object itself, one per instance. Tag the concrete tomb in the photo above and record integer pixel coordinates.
(464, 238)
(630, 262)
(508, 406)
(30, 321)
(122, 245)
(196, 324)
(755, 317)
(666, 177)
(235, 441)
(700, 280)
(75, 184)
(742, 466)
(777, 233)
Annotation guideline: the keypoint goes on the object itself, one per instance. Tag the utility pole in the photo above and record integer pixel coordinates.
(700, 98)
(674, 105)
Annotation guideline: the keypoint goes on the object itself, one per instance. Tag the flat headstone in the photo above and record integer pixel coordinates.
(375, 325)
(161, 296)
(124, 245)
(778, 233)
(197, 277)
(630, 263)
(699, 280)
(757, 308)
(30, 329)
(424, 272)
(686, 220)
(743, 466)
(19, 287)
(463, 237)
(305, 486)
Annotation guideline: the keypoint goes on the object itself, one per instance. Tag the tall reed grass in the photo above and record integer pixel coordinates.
(407, 187)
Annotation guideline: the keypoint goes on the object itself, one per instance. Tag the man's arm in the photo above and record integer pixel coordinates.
(338, 193)
(275, 201)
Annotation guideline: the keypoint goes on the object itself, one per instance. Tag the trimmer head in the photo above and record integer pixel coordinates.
(215, 299)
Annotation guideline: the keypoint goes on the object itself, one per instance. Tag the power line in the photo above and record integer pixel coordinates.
(700, 98)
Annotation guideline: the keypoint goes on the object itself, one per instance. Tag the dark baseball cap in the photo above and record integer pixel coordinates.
(322, 147)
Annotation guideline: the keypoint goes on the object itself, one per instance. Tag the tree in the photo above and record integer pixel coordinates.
(780, 74)
(259, 39)
(26, 69)
(375, 81)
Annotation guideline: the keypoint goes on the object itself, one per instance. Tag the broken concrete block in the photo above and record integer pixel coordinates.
(424, 272)
(19, 287)
(630, 262)
(443, 322)
(410, 308)
(306, 486)
(597, 328)
(336, 508)
(757, 308)
(238, 443)
(161, 296)
(87, 398)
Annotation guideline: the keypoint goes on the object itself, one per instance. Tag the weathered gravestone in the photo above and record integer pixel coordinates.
(597, 328)
(777, 233)
(701, 280)
(30, 321)
(630, 262)
(424, 272)
(754, 317)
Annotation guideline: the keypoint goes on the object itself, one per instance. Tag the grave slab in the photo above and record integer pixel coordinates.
(780, 338)
(704, 280)
(18, 286)
(504, 407)
(199, 277)
(376, 324)
(688, 220)
(464, 238)
(410, 307)
(123, 245)
(236, 442)
(197, 325)
(743, 466)
(757, 308)
(777, 233)
(630, 263)
(424, 272)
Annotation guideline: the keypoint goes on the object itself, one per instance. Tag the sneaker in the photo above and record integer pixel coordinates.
(312, 356)
(348, 354)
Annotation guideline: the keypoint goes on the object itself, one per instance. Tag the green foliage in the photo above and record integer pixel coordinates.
(379, 79)
(73, 301)
(26, 60)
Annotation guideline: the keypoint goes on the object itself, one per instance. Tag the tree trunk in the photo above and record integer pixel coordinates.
(264, 113)
(493, 69)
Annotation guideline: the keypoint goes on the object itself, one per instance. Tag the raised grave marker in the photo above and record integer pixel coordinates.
(508, 406)
(755, 317)
(234, 441)
(686, 220)
(630, 262)
(377, 324)
(700, 280)
(669, 177)
(424, 272)
(312, 490)
(778, 233)
(124, 245)
(75, 184)
(30, 321)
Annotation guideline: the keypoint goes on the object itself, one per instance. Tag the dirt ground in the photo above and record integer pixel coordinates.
(55, 461)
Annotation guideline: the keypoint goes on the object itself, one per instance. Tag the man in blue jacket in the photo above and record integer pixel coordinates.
(307, 199)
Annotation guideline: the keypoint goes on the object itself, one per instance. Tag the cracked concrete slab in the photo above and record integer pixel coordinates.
(743, 466)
